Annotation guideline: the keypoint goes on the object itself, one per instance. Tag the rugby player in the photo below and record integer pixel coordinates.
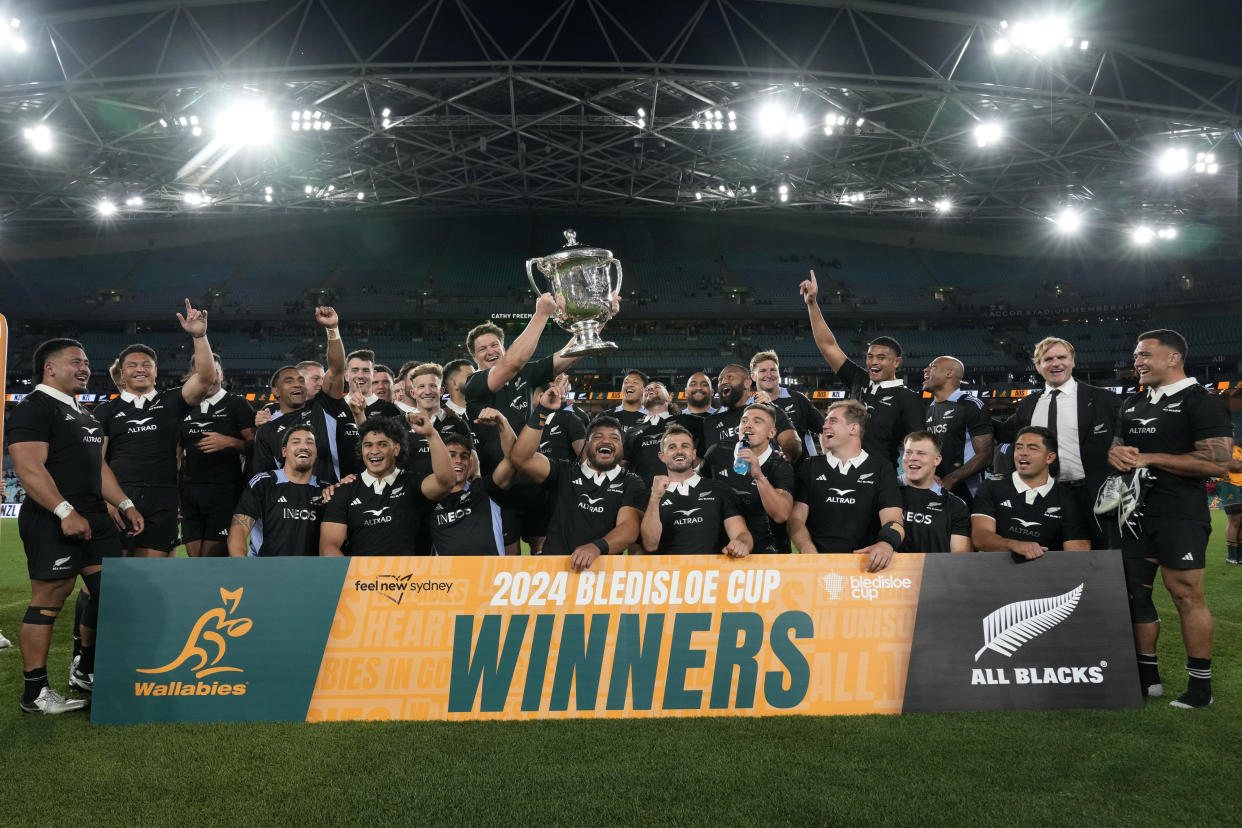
(964, 429)
(401, 392)
(642, 442)
(381, 382)
(894, 409)
(1029, 512)
(215, 441)
(278, 513)
(847, 500)
(765, 372)
(934, 520)
(597, 505)
(564, 433)
(141, 429)
(57, 451)
(765, 491)
(468, 520)
(359, 382)
(456, 374)
(379, 511)
(423, 385)
(688, 514)
(1181, 431)
(1229, 489)
(733, 388)
(699, 395)
(631, 410)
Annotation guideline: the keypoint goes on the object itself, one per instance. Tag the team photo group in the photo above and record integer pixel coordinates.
(490, 456)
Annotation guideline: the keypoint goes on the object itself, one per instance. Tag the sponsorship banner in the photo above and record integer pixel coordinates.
(459, 638)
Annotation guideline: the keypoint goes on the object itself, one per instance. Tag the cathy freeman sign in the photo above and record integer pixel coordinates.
(311, 639)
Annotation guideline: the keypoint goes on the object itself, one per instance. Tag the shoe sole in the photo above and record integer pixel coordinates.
(80, 686)
(36, 709)
(1181, 705)
(1153, 691)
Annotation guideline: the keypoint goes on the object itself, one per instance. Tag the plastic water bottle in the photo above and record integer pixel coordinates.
(740, 464)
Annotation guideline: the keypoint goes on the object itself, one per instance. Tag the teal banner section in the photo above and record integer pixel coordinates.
(212, 640)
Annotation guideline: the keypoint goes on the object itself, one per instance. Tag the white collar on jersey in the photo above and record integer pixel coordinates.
(370, 399)
(655, 419)
(598, 476)
(459, 410)
(761, 459)
(683, 488)
(405, 409)
(59, 395)
(378, 484)
(1156, 394)
(844, 466)
(139, 402)
(873, 387)
(1029, 493)
(212, 400)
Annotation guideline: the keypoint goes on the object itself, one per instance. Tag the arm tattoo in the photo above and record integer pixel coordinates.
(1215, 450)
(245, 521)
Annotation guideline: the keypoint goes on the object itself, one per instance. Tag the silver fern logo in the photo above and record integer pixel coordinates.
(1011, 626)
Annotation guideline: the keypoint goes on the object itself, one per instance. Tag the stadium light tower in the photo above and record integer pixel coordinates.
(988, 133)
(39, 137)
(1068, 221)
(247, 123)
(1173, 161)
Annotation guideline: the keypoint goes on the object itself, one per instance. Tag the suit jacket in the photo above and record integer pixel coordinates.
(1098, 409)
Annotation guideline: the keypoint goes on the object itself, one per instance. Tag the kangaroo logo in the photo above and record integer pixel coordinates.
(206, 634)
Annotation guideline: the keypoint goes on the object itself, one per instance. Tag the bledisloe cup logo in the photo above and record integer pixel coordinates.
(202, 654)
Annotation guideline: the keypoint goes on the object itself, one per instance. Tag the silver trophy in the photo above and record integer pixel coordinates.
(580, 282)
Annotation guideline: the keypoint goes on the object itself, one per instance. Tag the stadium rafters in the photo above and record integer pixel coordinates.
(589, 105)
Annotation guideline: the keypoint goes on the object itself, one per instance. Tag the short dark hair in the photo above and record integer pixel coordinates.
(887, 342)
(482, 330)
(1046, 434)
(634, 372)
(137, 348)
(451, 368)
(923, 434)
(1168, 338)
(462, 440)
(604, 421)
(48, 350)
(279, 371)
(284, 441)
(406, 367)
(672, 431)
(390, 427)
(381, 369)
(364, 354)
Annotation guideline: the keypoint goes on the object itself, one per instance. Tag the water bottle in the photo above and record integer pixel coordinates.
(740, 464)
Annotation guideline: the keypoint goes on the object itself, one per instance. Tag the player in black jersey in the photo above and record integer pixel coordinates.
(359, 387)
(141, 429)
(278, 513)
(215, 441)
(381, 382)
(642, 442)
(699, 395)
(564, 433)
(1177, 428)
(326, 412)
(631, 410)
(1028, 513)
(468, 519)
(57, 451)
(894, 410)
(934, 520)
(688, 514)
(456, 373)
(964, 428)
(733, 389)
(765, 491)
(765, 372)
(597, 505)
(423, 384)
(379, 511)
(846, 500)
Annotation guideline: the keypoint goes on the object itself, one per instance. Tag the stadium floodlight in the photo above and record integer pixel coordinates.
(106, 208)
(1173, 161)
(361, 195)
(194, 199)
(267, 190)
(268, 198)
(753, 189)
(308, 189)
(698, 196)
(246, 123)
(772, 120)
(784, 196)
(196, 131)
(988, 133)
(39, 137)
(1205, 162)
(795, 128)
(1142, 235)
(134, 201)
(1068, 221)
(943, 205)
(1167, 233)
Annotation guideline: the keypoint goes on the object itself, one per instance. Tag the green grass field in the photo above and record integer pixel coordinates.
(1158, 766)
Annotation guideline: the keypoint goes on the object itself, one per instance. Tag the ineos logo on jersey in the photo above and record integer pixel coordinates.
(919, 517)
(297, 514)
(938, 428)
(448, 518)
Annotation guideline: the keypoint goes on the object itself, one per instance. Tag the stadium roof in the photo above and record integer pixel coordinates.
(153, 110)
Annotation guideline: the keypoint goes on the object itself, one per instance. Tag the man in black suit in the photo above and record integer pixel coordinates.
(1084, 420)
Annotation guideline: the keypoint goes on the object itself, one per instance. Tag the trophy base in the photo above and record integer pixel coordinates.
(587, 342)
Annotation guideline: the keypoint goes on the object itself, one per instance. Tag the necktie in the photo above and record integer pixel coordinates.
(1052, 412)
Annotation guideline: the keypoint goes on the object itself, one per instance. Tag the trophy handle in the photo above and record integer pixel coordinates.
(531, 276)
(616, 291)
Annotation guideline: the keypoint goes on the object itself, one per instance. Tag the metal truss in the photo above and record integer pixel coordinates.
(591, 105)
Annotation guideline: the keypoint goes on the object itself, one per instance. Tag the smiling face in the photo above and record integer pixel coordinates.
(767, 377)
(462, 460)
(1056, 365)
(733, 386)
(940, 373)
(290, 389)
(757, 427)
(379, 453)
(1154, 362)
(920, 459)
(313, 377)
(656, 397)
(1031, 457)
(359, 375)
(838, 432)
(68, 371)
(381, 385)
(603, 448)
(882, 363)
(425, 389)
(138, 372)
(631, 389)
(677, 453)
(488, 350)
(300, 451)
(699, 391)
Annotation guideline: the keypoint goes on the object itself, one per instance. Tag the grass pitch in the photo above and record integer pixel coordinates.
(1158, 766)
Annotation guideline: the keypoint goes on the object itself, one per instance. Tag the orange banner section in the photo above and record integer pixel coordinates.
(525, 638)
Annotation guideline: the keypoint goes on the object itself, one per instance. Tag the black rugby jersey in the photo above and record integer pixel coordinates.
(931, 517)
(468, 522)
(769, 536)
(227, 415)
(1050, 520)
(693, 514)
(585, 503)
(142, 436)
(383, 408)
(628, 419)
(894, 411)
(286, 514)
(955, 421)
(446, 424)
(336, 438)
(807, 420)
(642, 443)
(382, 523)
(514, 400)
(561, 430)
(721, 427)
(844, 503)
(1172, 425)
(74, 446)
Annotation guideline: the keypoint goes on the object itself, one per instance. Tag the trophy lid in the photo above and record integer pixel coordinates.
(574, 250)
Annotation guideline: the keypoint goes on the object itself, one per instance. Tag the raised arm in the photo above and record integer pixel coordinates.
(825, 339)
(194, 391)
(525, 455)
(440, 482)
(334, 375)
(523, 348)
